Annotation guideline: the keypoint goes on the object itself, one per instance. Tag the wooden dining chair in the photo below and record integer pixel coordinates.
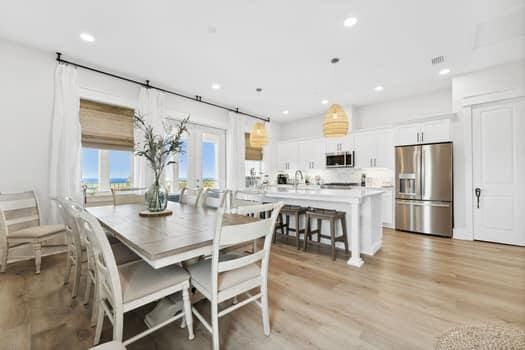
(128, 195)
(20, 224)
(224, 277)
(127, 287)
(191, 196)
(216, 198)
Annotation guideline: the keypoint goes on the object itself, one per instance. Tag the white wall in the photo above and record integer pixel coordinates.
(26, 108)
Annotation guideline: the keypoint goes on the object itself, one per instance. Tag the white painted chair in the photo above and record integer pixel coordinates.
(76, 251)
(221, 279)
(245, 198)
(20, 225)
(127, 287)
(127, 195)
(191, 196)
(215, 198)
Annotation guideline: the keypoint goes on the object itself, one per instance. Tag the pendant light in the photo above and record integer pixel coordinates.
(258, 135)
(335, 123)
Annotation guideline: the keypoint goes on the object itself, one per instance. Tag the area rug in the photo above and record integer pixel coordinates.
(486, 337)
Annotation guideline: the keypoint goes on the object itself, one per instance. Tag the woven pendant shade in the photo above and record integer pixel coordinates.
(258, 135)
(335, 122)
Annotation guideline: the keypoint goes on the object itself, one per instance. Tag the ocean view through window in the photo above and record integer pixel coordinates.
(105, 169)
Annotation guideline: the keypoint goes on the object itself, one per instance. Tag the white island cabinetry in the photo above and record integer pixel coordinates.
(363, 214)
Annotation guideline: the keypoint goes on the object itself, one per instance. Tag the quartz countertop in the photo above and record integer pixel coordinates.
(330, 195)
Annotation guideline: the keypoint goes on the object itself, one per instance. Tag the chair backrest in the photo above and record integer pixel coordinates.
(72, 232)
(128, 195)
(108, 279)
(191, 196)
(18, 211)
(216, 198)
(230, 235)
(246, 198)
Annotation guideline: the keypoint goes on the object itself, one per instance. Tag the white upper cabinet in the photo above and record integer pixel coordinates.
(427, 132)
(311, 154)
(288, 156)
(340, 144)
(374, 149)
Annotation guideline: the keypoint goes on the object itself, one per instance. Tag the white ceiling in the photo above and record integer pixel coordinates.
(281, 46)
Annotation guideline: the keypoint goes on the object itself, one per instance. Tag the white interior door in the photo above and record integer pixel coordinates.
(499, 171)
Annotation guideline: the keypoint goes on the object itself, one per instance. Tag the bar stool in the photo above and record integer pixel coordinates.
(297, 212)
(332, 216)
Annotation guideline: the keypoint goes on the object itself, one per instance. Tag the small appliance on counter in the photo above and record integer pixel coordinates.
(282, 179)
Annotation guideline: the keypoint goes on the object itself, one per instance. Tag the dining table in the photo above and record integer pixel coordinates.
(165, 240)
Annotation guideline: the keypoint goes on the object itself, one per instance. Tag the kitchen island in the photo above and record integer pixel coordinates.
(361, 205)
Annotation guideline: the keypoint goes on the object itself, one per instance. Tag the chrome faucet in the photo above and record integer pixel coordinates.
(296, 180)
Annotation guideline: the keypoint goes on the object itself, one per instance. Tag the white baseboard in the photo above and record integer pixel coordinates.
(461, 233)
(373, 249)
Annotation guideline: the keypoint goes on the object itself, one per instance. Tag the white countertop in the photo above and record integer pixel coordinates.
(329, 195)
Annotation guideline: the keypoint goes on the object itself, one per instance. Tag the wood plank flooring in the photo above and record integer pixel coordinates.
(412, 291)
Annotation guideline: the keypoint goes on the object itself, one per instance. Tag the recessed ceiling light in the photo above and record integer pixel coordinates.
(324, 102)
(379, 88)
(285, 112)
(350, 22)
(216, 86)
(444, 71)
(88, 38)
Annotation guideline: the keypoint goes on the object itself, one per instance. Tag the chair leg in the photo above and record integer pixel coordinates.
(297, 231)
(87, 292)
(287, 225)
(3, 259)
(37, 249)
(308, 232)
(76, 280)
(100, 323)
(215, 325)
(319, 226)
(68, 268)
(95, 310)
(264, 309)
(187, 312)
(332, 236)
(345, 233)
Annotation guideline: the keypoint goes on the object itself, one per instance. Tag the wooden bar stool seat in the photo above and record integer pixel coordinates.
(284, 225)
(332, 216)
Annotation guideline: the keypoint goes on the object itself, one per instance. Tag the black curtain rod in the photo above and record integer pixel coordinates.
(195, 98)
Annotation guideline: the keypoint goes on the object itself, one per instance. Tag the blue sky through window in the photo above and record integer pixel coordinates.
(89, 163)
(120, 164)
(208, 160)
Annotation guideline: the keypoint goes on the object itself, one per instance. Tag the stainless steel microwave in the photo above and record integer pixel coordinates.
(340, 160)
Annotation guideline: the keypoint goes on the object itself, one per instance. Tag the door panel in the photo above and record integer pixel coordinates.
(436, 172)
(424, 217)
(499, 171)
(435, 131)
(408, 172)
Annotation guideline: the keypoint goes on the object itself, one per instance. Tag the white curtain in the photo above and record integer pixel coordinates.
(151, 109)
(235, 150)
(64, 169)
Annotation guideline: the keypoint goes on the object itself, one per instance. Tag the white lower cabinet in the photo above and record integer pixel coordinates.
(387, 202)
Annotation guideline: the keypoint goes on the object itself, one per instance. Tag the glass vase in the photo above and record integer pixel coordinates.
(156, 198)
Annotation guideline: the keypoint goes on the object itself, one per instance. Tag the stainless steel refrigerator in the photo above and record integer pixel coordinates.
(424, 189)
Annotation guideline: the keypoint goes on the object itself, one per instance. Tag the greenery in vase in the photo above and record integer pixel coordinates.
(158, 149)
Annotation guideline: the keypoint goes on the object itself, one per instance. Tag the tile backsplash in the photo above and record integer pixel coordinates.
(375, 176)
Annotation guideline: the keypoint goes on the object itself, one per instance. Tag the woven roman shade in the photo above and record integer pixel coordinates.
(252, 153)
(106, 126)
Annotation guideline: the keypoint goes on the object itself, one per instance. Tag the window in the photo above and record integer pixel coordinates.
(107, 146)
(104, 169)
(210, 161)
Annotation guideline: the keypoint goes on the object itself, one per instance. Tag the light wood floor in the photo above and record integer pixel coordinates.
(413, 290)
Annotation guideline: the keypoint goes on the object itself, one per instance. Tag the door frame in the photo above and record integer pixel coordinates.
(467, 105)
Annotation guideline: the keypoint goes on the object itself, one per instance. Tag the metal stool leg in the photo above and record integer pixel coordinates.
(332, 236)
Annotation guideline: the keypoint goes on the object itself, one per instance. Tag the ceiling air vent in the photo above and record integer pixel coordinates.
(438, 60)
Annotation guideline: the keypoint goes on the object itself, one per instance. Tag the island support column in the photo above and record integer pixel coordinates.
(355, 258)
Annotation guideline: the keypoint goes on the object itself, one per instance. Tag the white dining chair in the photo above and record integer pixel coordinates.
(191, 196)
(216, 198)
(225, 277)
(245, 198)
(123, 254)
(20, 224)
(112, 345)
(127, 287)
(134, 195)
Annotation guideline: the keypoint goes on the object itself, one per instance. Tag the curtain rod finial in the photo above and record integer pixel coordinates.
(59, 54)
